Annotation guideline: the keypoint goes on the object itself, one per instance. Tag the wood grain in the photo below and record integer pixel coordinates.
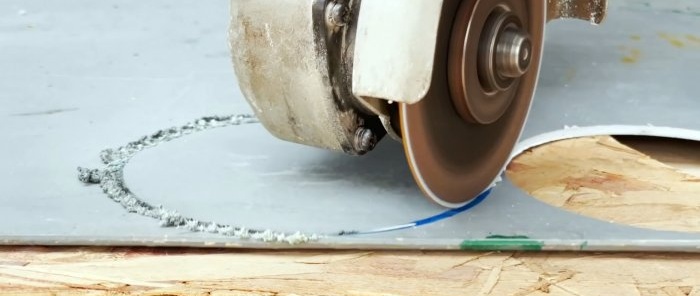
(60, 271)
(594, 176)
(602, 178)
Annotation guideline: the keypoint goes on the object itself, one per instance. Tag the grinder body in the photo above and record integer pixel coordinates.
(451, 79)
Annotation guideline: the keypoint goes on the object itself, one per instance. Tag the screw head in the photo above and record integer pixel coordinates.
(336, 14)
(365, 140)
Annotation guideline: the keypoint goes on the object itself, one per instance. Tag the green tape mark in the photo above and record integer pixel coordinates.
(583, 246)
(501, 245)
(500, 236)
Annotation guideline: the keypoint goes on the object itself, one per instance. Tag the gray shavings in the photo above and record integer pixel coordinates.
(89, 176)
(111, 180)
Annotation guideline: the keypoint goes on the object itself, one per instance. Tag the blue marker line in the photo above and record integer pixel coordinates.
(432, 219)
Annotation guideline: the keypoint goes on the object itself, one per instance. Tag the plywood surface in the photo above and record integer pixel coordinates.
(69, 271)
(207, 272)
(600, 177)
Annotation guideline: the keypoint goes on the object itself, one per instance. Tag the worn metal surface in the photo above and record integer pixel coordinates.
(283, 56)
(98, 90)
(588, 10)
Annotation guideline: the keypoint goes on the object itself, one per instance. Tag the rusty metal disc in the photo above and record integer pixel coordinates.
(459, 137)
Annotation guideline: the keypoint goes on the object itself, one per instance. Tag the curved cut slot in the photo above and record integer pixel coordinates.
(600, 177)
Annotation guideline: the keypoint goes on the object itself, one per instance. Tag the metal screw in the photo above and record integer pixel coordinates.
(336, 14)
(365, 140)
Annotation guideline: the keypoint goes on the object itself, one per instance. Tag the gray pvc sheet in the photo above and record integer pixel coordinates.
(80, 76)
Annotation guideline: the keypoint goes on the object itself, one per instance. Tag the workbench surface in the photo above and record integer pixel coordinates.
(70, 271)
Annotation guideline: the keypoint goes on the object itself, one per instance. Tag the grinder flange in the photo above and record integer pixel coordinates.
(460, 136)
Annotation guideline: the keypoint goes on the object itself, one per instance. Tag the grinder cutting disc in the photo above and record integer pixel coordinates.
(459, 137)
